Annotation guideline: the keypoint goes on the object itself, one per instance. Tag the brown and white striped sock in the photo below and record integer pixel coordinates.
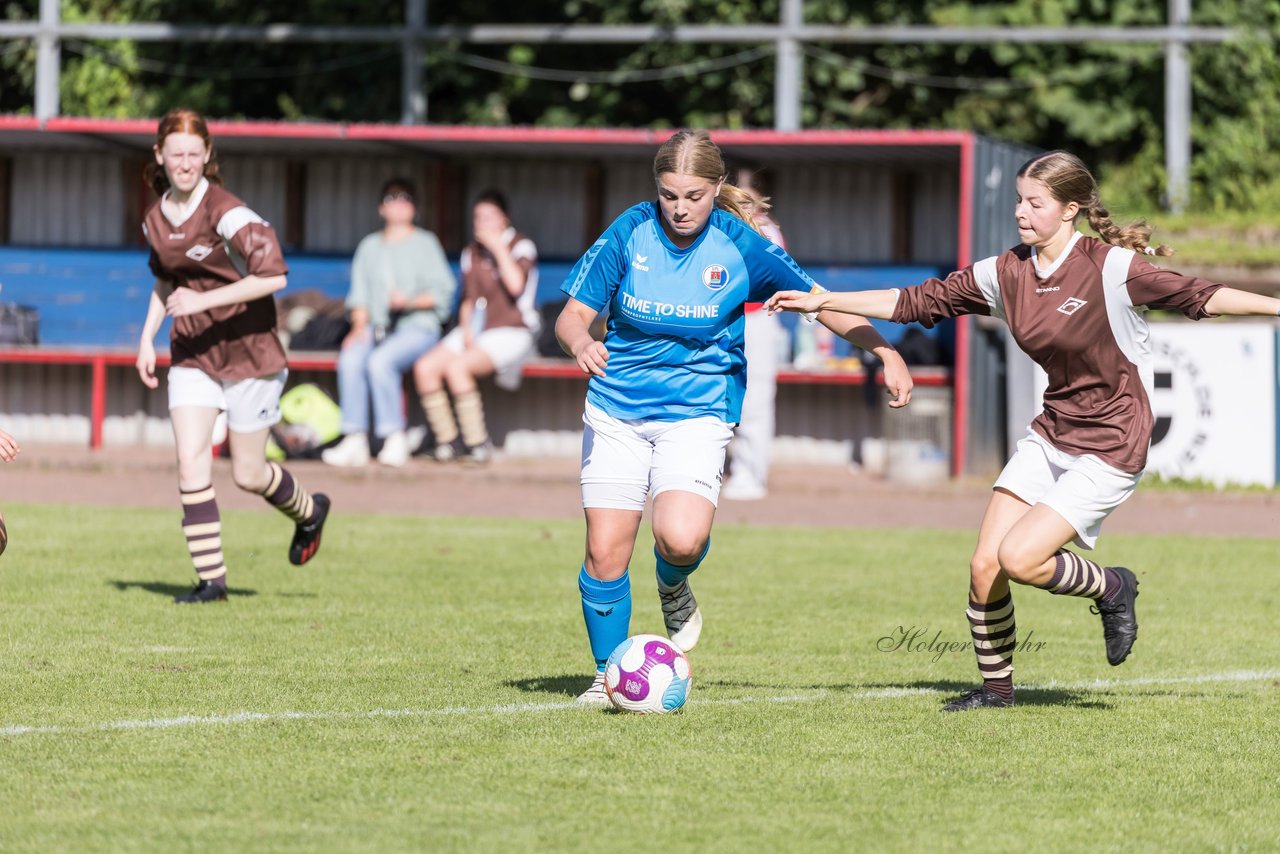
(470, 408)
(994, 638)
(288, 496)
(202, 526)
(1077, 576)
(440, 416)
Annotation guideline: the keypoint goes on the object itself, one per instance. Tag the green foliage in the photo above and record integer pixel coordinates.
(1104, 101)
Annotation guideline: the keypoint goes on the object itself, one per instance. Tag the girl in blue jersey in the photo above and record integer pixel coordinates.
(668, 379)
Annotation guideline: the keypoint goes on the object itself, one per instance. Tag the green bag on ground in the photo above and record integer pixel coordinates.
(310, 420)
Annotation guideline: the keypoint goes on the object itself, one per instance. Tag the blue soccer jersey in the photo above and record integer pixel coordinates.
(674, 331)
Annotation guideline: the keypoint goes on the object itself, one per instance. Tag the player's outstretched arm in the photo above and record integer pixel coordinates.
(9, 448)
(859, 332)
(1236, 302)
(878, 304)
(573, 331)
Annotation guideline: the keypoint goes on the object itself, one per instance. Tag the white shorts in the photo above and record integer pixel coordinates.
(623, 461)
(1081, 489)
(508, 347)
(250, 404)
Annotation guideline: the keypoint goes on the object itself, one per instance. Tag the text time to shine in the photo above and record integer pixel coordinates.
(651, 308)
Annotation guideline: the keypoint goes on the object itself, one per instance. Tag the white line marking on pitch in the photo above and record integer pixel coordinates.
(523, 708)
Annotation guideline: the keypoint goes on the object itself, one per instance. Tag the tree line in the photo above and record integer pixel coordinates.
(1103, 101)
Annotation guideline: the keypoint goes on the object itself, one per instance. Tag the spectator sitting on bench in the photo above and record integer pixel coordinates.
(496, 332)
(401, 292)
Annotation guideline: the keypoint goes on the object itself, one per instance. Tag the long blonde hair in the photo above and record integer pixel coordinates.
(1069, 180)
(691, 152)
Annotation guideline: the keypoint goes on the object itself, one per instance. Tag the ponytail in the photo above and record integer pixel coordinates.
(743, 205)
(1069, 180)
(1135, 235)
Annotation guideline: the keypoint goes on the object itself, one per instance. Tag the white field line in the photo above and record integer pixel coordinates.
(525, 708)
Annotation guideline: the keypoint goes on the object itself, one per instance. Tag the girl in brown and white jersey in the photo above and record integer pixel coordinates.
(1072, 302)
(217, 264)
(495, 335)
(9, 450)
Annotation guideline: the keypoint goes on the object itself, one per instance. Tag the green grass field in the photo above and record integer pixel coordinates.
(410, 691)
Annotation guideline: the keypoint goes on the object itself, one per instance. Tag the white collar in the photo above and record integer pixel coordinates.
(178, 214)
(1053, 268)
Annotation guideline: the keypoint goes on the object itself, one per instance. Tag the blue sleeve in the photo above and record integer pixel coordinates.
(771, 270)
(599, 272)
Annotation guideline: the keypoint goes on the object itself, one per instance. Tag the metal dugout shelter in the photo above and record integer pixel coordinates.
(846, 198)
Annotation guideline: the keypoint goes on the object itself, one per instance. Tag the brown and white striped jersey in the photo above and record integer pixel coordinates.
(219, 242)
(1080, 319)
(480, 278)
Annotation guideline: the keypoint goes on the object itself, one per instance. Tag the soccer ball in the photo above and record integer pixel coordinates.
(647, 674)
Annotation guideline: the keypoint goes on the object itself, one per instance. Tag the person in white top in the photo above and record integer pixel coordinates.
(753, 437)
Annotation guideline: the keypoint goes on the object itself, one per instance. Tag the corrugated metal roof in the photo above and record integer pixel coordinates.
(307, 138)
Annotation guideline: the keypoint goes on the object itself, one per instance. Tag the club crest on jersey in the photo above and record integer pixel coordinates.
(199, 252)
(715, 276)
(1072, 305)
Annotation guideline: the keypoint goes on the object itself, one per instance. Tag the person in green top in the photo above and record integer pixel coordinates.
(401, 293)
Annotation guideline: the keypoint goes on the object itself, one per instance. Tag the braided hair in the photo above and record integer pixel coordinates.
(1069, 180)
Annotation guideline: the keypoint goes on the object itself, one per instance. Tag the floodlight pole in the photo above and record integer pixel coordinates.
(413, 97)
(788, 85)
(1177, 110)
(48, 60)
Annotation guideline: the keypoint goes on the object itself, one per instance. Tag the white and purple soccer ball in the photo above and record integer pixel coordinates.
(648, 674)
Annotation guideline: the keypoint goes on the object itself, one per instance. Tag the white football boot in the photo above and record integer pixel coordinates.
(596, 695)
(395, 450)
(681, 613)
(352, 451)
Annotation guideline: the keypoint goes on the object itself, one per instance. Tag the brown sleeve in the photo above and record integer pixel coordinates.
(1154, 287)
(157, 269)
(258, 245)
(938, 299)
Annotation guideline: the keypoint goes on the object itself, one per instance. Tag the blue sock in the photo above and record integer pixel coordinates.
(671, 575)
(606, 608)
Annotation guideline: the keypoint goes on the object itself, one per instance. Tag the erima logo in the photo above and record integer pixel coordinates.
(1072, 305)
(604, 613)
(199, 252)
(639, 262)
(1047, 290)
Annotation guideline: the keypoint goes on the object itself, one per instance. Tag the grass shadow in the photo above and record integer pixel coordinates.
(568, 685)
(161, 588)
(950, 689)
(946, 689)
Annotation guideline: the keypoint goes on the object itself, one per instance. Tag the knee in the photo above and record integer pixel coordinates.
(427, 377)
(1018, 563)
(680, 548)
(192, 473)
(351, 360)
(251, 477)
(983, 569)
(380, 366)
(458, 376)
(605, 562)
